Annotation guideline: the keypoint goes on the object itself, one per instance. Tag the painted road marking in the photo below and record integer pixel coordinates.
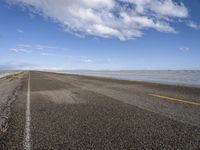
(175, 99)
(27, 136)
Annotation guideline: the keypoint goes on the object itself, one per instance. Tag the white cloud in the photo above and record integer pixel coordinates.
(20, 31)
(193, 25)
(87, 60)
(162, 8)
(19, 50)
(78, 59)
(47, 54)
(23, 48)
(124, 19)
(43, 47)
(184, 49)
(26, 48)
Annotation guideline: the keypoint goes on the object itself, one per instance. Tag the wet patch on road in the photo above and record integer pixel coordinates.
(60, 96)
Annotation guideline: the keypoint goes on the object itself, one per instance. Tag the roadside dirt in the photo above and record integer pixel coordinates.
(8, 91)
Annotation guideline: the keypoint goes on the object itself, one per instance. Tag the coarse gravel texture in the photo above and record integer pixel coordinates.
(8, 93)
(79, 112)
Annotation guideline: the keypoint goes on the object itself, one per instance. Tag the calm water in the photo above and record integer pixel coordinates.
(3, 75)
(183, 77)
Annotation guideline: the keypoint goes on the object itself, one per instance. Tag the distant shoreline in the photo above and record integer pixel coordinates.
(130, 80)
(188, 78)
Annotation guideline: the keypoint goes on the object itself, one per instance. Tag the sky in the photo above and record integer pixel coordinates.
(100, 34)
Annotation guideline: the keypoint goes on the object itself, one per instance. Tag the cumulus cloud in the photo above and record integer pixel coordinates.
(193, 25)
(123, 19)
(160, 8)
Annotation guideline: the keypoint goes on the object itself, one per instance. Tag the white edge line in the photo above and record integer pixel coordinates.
(27, 134)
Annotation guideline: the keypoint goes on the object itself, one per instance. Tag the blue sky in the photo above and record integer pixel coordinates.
(100, 34)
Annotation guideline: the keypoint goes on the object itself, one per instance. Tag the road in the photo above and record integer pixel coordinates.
(58, 111)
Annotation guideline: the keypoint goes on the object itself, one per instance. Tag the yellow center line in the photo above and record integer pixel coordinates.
(175, 99)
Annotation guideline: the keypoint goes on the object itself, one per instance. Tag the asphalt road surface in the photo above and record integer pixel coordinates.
(59, 111)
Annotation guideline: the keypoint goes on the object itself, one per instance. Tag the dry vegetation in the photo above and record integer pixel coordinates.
(13, 77)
